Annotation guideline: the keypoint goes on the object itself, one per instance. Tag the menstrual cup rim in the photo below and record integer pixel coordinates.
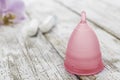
(84, 74)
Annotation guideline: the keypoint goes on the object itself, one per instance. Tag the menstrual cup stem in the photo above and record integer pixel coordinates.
(83, 17)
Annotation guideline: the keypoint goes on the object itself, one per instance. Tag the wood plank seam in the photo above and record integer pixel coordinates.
(86, 18)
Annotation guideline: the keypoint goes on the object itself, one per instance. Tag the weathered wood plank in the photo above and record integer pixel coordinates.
(99, 12)
(35, 59)
(115, 3)
(44, 59)
(57, 69)
(61, 41)
(4, 69)
(30, 58)
(17, 66)
(60, 34)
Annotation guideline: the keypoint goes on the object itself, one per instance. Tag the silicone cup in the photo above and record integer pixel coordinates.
(83, 55)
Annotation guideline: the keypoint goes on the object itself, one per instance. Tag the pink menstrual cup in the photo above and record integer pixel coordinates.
(83, 55)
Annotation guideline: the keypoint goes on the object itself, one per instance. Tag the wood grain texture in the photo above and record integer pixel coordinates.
(12, 55)
(41, 57)
(60, 35)
(106, 16)
(29, 58)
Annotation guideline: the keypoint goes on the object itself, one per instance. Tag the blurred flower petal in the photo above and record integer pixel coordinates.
(11, 11)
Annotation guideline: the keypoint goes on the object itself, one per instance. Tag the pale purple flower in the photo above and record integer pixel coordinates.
(11, 11)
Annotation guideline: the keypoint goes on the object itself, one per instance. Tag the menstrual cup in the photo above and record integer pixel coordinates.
(83, 55)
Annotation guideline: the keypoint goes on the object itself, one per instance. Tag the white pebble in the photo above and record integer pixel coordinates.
(48, 24)
(31, 29)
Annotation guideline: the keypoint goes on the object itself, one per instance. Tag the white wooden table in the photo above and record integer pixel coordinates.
(41, 57)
